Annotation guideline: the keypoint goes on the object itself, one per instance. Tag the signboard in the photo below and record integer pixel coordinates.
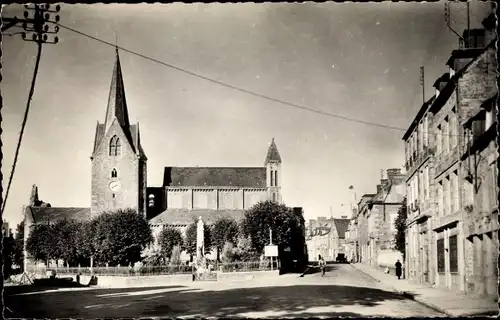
(271, 251)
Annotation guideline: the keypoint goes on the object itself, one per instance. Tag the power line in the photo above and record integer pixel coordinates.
(294, 105)
(234, 87)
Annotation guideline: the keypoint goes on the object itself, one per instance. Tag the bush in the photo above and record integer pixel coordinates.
(228, 253)
(175, 258)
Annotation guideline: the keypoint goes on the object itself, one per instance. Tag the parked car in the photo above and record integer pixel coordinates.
(341, 258)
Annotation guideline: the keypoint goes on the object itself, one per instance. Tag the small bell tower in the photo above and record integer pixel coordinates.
(273, 173)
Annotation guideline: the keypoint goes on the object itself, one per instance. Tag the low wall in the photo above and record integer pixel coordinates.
(164, 280)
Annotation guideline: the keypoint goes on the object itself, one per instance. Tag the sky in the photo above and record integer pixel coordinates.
(356, 60)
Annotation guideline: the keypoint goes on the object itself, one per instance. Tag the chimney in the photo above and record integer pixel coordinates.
(393, 172)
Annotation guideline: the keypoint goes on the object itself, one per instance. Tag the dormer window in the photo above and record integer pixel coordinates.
(114, 173)
(114, 146)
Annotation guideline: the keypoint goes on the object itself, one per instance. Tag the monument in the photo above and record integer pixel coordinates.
(200, 243)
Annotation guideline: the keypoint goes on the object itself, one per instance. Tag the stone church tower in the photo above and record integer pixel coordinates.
(118, 160)
(273, 172)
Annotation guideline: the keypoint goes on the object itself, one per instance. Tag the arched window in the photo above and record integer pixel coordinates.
(272, 178)
(114, 146)
(114, 173)
(274, 196)
(276, 178)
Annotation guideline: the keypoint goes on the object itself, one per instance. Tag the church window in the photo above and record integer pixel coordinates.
(275, 178)
(114, 146)
(272, 178)
(114, 173)
(274, 196)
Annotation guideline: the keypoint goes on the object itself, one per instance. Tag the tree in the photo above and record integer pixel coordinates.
(40, 243)
(84, 241)
(228, 253)
(120, 237)
(191, 234)
(244, 250)
(263, 216)
(8, 255)
(400, 224)
(63, 233)
(168, 239)
(224, 230)
(18, 251)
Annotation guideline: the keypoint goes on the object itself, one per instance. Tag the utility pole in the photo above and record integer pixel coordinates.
(422, 83)
(35, 23)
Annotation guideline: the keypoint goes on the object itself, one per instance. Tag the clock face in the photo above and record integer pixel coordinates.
(114, 186)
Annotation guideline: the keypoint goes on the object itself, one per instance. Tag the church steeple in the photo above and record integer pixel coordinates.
(272, 154)
(117, 104)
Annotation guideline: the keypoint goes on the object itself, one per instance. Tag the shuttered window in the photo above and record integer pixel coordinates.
(453, 254)
(440, 255)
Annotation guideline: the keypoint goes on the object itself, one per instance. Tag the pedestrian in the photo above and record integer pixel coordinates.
(322, 265)
(398, 269)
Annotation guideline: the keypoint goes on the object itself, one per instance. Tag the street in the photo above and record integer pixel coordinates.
(344, 291)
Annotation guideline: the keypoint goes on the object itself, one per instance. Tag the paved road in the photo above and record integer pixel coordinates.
(344, 291)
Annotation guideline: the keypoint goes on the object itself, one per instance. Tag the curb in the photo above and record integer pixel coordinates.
(405, 294)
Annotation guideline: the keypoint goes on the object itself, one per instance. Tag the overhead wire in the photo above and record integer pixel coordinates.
(290, 104)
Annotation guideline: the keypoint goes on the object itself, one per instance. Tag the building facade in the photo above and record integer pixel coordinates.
(326, 237)
(451, 217)
(119, 179)
(376, 221)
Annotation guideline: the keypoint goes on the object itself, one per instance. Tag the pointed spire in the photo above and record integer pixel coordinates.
(117, 104)
(272, 153)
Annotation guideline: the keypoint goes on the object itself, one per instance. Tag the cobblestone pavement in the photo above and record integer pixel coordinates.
(344, 291)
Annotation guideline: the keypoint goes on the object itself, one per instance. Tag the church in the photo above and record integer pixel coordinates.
(119, 179)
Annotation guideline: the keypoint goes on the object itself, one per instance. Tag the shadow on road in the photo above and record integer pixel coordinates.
(177, 301)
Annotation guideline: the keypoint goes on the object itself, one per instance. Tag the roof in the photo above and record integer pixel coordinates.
(272, 153)
(117, 104)
(52, 214)
(215, 176)
(420, 114)
(117, 109)
(444, 78)
(451, 85)
(186, 217)
(341, 225)
(463, 54)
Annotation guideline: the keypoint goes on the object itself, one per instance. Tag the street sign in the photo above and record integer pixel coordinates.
(271, 251)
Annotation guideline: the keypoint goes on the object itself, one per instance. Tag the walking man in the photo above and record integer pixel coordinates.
(322, 265)
(398, 269)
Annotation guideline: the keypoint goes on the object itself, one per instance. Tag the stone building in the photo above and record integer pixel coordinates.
(480, 173)
(351, 241)
(119, 179)
(419, 149)
(326, 237)
(442, 248)
(375, 220)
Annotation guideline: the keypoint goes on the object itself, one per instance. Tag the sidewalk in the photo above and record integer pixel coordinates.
(449, 302)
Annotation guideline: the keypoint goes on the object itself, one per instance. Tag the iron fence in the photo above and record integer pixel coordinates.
(241, 266)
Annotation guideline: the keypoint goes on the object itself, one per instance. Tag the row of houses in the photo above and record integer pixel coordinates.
(326, 237)
(451, 163)
(371, 231)
(450, 188)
